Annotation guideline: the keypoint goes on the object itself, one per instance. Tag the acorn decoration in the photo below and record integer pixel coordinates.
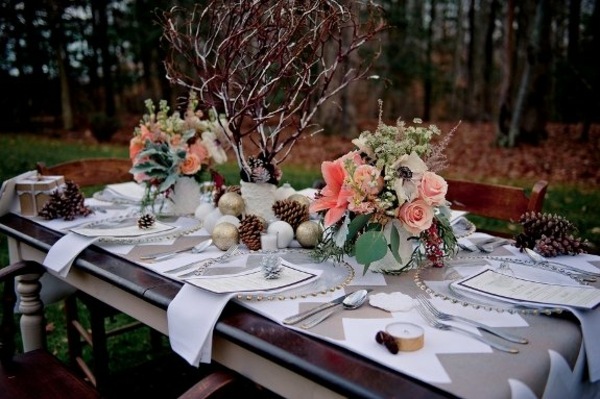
(67, 205)
(146, 221)
(271, 266)
(292, 212)
(549, 235)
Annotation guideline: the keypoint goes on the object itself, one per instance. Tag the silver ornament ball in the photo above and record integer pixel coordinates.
(225, 235)
(231, 204)
(308, 234)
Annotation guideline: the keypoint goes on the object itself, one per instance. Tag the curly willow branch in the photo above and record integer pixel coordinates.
(268, 66)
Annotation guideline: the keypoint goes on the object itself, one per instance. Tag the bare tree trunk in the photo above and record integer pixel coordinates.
(99, 7)
(504, 110)
(529, 117)
(457, 86)
(488, 65)
(428, 81)
(58, 43)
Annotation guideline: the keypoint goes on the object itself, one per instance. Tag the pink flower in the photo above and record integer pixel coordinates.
(368, 179)
(190, 165)
(146, 133)
(433, 188)
(334, 196)
(136, 145)
(200, 150)
(416, 216)
(176, 140)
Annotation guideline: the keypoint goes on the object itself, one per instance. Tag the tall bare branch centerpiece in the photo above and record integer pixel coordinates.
(268, 66)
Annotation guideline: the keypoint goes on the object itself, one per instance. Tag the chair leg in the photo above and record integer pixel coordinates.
(99, 348)
(73, 336)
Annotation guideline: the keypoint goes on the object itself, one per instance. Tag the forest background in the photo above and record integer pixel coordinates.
(522, 76)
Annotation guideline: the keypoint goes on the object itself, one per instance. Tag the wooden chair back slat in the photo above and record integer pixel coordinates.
(92, 171)
(500, 202)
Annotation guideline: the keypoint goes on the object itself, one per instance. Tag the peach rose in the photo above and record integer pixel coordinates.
(369, 180)
(416, 216)
(136, 145)
(200, 150)
(433, 188)
(190, 165)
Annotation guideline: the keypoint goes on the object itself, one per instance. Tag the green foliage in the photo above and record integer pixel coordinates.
(370, 247)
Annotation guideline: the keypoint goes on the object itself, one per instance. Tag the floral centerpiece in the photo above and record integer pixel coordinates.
(384, 202)
(168, 151)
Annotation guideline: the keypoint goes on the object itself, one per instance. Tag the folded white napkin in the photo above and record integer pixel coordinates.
(191, 318)
(130, 191)
(590, 325)
(64, 251)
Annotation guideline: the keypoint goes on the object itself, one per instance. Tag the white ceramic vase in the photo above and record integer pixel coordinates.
(259, 199)
(186, 196)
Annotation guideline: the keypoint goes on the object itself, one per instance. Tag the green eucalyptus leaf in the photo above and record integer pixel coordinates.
(370, 247)
(395, 243)
(356, 225)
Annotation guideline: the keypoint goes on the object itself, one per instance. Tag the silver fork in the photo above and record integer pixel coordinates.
(490, 245)
(433, 322)
(233, 250)
(438, 314)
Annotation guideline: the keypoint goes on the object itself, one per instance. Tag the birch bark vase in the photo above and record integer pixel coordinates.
(259, 199)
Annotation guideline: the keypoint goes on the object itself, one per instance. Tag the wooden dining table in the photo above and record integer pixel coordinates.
(284, 360)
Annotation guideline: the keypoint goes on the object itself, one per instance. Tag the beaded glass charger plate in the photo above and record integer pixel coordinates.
(124, 229)
(440, 282)
(331, 276)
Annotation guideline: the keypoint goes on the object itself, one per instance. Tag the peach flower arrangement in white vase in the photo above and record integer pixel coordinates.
(384, 203)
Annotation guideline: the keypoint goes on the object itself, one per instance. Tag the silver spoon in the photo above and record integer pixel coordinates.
(351, 302)
(539, 259)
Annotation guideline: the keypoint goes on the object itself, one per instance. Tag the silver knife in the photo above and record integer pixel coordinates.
(307, 313)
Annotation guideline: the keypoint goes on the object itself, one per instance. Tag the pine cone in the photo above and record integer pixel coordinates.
(549, 235)
(564, 245)
(146, 221)
(52, 209)
(250, 228)
(74, 202)
(536, 224)
(271, 266)
(291, 211)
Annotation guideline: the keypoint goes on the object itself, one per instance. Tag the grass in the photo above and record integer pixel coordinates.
(19, 153)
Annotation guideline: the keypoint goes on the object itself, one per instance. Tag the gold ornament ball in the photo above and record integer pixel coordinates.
(225, 235)
(309, 233)
(231, 204)
(302, 199)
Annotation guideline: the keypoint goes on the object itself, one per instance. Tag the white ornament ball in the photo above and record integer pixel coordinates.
(231, 204)
(284, 192)
(210, 221)
(309, 233)
(203, 210)
(228, 219)
(302, 199)
(225, 235)
(284, 232)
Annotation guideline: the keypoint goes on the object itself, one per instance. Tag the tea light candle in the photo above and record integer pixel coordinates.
(268, 242)
(409, 337)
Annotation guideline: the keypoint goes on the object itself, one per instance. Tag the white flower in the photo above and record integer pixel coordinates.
(408, 170)
(214, 147)
(361, 143)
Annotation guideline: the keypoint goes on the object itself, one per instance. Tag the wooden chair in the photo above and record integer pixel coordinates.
(500, 202)
(88, 173)
(34, 374)
(91, 171)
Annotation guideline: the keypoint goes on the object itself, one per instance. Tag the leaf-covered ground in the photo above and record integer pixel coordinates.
(562, 158)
